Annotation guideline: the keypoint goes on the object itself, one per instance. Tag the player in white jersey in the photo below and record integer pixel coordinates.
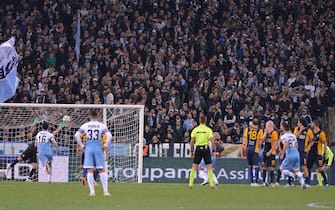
(94, 150)
(43, 142)
(291, 164)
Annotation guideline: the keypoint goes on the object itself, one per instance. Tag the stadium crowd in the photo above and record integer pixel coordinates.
(232, 60)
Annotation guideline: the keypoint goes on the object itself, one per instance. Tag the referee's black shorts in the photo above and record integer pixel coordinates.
(202, 152)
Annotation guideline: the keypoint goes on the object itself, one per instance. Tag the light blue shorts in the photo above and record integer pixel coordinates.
(94, 158)
(290, 162)
(44, 158)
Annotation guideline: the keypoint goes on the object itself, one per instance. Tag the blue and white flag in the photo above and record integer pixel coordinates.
(9, 60)
(77, 46)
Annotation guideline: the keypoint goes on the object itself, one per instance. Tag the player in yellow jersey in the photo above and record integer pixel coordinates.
(200, 137)
(251, 142)
(316, 153)
(270, 139)
(305, 140)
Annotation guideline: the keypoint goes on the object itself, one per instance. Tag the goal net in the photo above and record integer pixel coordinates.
(21, 122)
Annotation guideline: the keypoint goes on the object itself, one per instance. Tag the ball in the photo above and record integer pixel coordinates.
(66, 118)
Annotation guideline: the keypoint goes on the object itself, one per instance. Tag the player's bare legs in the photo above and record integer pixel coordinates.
(48, 169)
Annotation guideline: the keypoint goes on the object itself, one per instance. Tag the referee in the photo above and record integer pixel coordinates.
(200, 137)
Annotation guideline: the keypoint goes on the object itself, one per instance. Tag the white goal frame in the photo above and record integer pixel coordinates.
(104, 107)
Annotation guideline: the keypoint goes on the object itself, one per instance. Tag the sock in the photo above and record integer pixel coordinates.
(32, 172)
(251, 174)
(308, 177)
(203, 175)
(272, 176)
(49, 174)
(191, 180)
(84, 172)
(104, 181)
(210, 177)
(90, 181)
(301, 178)
(323, 174)
(256, 174)
(278, 175)
(215, 179)
(13, 163)
(319, 177)
(95, 174)
(264, 175)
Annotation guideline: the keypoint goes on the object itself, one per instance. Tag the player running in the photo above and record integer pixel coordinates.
(94, 150)
(252, 137)
(270, 138)
(291, 163)
(43, 143)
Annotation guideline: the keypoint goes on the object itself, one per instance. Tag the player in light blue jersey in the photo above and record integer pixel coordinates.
(43, 142)
(291, 164)
(94, 150)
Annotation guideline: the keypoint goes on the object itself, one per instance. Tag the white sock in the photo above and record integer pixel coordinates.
(301, 178)
(215, 179)
(49, 174)
(90, 181)
(202, 174)
(104, 181)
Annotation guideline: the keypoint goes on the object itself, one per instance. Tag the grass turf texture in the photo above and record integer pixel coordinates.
(72, 196)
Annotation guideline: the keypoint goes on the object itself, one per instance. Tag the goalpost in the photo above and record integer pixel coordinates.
(21, 122)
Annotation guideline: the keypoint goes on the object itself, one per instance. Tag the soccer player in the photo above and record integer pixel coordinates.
(270, 138)
(200, 137)
(291, 163)
(43, 143)
(328, 160)
(251, 142)
(315, 154)
(29, 155)
(94, 150)
(305, 140)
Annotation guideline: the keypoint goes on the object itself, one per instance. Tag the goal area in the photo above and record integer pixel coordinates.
(21, 122)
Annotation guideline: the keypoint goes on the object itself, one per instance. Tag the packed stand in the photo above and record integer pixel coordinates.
(231, 60)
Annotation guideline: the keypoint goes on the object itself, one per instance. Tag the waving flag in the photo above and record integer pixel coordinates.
(9, 60)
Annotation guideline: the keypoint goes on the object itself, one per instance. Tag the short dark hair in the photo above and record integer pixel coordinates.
(285, 126)
(93, 113)
(202, 119)
(316, 122)
(45, 125)
(255, 121)
(303, 121)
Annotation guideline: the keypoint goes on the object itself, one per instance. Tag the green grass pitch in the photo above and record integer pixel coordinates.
(73, 196)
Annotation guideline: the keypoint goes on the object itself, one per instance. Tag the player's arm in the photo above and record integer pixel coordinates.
(54, 142)
(285, 145)
(329, 157)
(260, 137)
(265, 133)
(192, 146)
(245, 139)
(274, 139)
(77, 136)
(310, 140)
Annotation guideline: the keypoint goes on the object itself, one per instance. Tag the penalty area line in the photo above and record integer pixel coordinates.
(323, 205)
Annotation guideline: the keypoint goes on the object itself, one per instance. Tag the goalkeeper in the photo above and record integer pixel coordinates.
(328, 160)
(30, 154)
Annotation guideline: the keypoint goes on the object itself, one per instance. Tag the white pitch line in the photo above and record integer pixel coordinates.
(321, 205)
